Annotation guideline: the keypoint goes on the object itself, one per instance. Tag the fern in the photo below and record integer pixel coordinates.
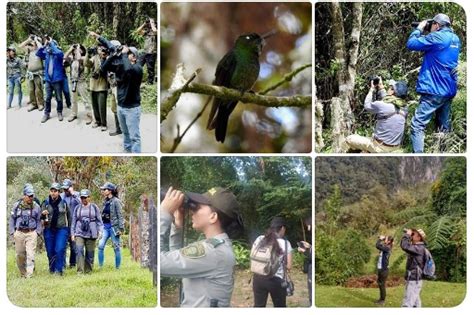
(440, 232)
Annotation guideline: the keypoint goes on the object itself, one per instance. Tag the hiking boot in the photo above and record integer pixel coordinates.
(45, 118)
(32, 108)
(60, 116)
(103, 128)
(72, 118)
(88, 119)
(95, 125)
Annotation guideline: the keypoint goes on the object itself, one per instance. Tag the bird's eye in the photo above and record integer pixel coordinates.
(247, 37)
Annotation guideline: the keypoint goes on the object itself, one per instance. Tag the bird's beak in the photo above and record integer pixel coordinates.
(268, 34)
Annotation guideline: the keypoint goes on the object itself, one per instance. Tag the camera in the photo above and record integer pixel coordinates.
(85, 224)
(300, 245)
(95, 75)
(92, 51)
(375, 79)
(427, 27)
(25, 222)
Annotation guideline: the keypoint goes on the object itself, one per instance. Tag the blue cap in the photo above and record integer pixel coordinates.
(28, 190)
(55, 186)
(85, 193)
(109, 186)
(66, 183)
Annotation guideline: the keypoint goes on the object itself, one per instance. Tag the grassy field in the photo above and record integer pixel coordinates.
(243, 294)
(131, 286)
(433, 294)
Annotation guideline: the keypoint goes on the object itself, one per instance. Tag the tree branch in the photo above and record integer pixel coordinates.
(286, 78)
(300, 101)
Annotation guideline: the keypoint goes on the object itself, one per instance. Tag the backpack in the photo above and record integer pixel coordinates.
(429, 269)
(264, 260)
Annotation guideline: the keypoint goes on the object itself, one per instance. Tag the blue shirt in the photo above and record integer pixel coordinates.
(438, 75)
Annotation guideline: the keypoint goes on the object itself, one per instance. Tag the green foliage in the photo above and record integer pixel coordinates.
(449, 191)
(242, 254)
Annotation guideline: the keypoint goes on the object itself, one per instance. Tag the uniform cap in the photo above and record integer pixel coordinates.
(55, 186)
(66, 183)
(109, 186)
(28, 190)
(219, 198)
(442, 19)
(134, 51)
(85, 193)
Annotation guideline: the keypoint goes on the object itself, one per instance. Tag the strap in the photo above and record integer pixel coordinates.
(285, 262)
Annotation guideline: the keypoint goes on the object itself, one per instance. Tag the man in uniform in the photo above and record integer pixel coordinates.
(72, 200)
(148, 57)
(206, 266)
(25, 228)
(34, 73)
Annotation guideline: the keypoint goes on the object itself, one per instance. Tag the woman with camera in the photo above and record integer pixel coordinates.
(86, 226)
(384, 245)
(276, 284)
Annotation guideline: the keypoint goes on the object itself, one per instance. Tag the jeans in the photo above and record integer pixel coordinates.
(58, 90)
(129, 119)
(12, 82)
(85, 262)
(56, 242)
(109, 233)
(262, 286)
(429, 104)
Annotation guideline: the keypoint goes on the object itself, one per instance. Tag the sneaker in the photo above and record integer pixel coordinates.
(45, 118)
(72, 118)
(95, 125)
(60, 116)
(115, 133)
(103, 128)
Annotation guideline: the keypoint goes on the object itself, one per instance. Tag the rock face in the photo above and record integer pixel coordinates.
(417, 169)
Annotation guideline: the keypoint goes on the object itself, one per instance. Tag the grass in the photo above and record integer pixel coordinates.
(433, 294)
(242, 295)
(131, 286)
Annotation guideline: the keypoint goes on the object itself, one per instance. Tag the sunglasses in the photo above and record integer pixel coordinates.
(31, 196)
(82, 197)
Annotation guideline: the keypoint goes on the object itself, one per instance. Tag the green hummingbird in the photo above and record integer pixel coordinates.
(239, 70)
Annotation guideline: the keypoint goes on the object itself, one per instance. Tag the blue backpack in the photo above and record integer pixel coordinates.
(429, 269)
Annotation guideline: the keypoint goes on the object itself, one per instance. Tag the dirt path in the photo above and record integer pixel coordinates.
(243, 294)
(26, 133)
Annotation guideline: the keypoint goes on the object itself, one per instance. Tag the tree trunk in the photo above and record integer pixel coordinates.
(319, 126)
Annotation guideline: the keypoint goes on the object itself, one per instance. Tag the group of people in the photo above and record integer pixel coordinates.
(437, 86)
(66, 216)
(114, 69)
(413, 244)
(207, 267)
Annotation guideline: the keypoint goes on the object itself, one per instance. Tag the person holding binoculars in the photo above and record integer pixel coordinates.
(384, 245)
(206, 266)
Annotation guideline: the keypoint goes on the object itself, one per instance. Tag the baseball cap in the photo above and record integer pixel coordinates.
(133, 50)
(66, 183)
(55, 186)
(400, 88)
(442, 19)
(28, 190)
(219, 198)
(109, 186)
(85, 193)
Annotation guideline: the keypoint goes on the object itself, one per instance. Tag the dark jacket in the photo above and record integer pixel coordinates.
(64, 215)
(415, 260)
(116, 217)
(385, 252)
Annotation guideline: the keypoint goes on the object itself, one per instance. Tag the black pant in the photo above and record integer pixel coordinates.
(263, 285)
(150, 61)
(72, 254)
(382, 276)
(99, 106)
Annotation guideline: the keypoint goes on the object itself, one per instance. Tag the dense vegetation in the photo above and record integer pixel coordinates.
(346, 230)
(384, 30)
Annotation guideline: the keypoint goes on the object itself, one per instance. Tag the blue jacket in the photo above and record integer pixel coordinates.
(438, 72)
(52, 53)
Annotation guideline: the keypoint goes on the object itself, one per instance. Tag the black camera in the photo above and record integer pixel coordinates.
(92, 51)
(85, 224)
(25, 221)
(427, 27)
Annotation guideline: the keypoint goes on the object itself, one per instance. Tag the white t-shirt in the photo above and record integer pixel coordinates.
(280, 272)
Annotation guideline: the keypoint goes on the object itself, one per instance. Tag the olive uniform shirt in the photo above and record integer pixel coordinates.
(206, 267)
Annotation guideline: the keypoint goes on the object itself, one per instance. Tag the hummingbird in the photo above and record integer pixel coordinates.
(239, 70)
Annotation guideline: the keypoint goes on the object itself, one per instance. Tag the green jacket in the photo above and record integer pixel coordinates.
(64, 217)
(100, 84)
